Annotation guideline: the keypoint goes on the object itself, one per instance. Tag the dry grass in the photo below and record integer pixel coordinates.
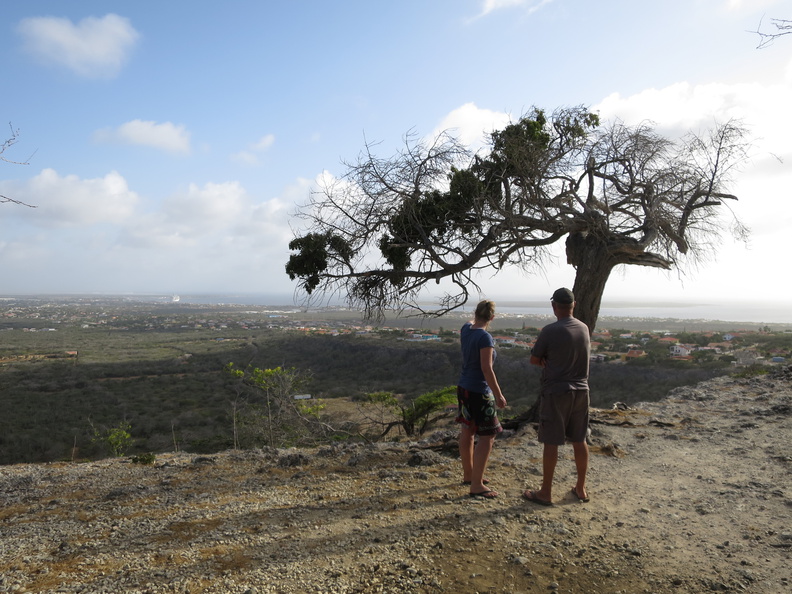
(227, 559)
(188, 530)
(53, 574)
(608, 449)
(14, 511)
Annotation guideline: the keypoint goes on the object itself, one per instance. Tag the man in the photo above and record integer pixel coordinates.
(562, 350)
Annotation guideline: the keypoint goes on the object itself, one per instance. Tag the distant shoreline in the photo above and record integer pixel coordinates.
(618, 313)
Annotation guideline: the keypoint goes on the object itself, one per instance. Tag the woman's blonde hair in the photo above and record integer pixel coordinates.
(485, 310)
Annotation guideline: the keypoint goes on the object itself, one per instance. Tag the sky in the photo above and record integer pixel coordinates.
(166, 146)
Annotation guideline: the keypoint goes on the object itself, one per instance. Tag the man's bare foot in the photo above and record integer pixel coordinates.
(534, 497)
(581, 496)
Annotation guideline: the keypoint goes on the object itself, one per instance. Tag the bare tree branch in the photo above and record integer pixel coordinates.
(8, 143)
(782, 27)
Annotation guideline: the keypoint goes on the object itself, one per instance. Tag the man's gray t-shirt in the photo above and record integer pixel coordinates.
(565, 347)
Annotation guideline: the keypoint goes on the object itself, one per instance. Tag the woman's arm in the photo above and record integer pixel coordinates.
(486, 355)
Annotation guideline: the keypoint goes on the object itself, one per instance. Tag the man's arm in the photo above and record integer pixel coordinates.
(539, 350)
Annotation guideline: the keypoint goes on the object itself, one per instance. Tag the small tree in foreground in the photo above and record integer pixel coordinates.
(414, 416)
(116, 439)
(265, 411)
(617, 195)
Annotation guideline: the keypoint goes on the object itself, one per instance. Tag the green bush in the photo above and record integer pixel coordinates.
(116, 439)
(146, 459)
(752, 371)
(415, 415)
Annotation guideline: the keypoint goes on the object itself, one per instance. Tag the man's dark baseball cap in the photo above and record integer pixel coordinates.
(564, 296)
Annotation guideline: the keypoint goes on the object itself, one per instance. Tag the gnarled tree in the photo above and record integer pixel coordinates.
(617, 194)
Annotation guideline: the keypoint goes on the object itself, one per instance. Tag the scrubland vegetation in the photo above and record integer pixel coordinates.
(165, 379)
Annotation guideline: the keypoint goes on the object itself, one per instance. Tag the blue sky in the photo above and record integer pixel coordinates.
(168, 143)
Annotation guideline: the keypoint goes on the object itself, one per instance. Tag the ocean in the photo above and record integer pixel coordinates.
(754, 313)
(727, 311)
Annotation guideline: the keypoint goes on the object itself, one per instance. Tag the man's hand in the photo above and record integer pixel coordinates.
(500, 401)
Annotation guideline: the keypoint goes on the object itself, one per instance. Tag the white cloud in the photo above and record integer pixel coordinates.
(489, 6)
(683, 107)
(211, 238)
(189, 219)
(93, 48)
(209, 207)
(94, 235)
(250, 156)
(165, 136)
(264, 143)
(211, 219)
(68, 201)
(472, 124)
(197, 219)
(752, 5)
(678, 105)
(245, 157)
(20, 253)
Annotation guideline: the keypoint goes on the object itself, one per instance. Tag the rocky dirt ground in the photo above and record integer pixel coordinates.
(691, 494)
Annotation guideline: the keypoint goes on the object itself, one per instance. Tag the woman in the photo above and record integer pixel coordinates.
(478, 394)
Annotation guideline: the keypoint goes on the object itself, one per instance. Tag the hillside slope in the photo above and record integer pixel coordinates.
(689, 494)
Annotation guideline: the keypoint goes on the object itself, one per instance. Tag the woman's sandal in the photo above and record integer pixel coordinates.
(485, 494)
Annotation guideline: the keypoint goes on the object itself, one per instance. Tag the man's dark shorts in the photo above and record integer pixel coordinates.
(564, 416)
(478, 410)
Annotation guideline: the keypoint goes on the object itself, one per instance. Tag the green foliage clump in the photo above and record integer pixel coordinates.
(315, 250)
(116, 439)
(414, 416)
(144, 459)
(752, 371)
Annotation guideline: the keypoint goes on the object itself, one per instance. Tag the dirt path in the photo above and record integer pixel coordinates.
(691, 494)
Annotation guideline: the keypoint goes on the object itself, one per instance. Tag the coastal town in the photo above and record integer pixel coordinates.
(743, 345)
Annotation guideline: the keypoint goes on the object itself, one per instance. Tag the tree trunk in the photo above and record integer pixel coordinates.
(593, 262)
(529, 416)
